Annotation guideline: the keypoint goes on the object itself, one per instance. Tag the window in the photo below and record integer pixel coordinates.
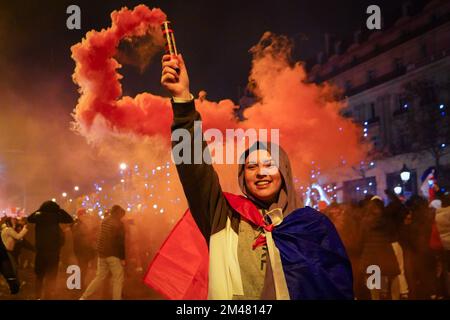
(423, 50)
(371, 75)
(398, 64)
(348, 85)
(372, 114)
(376, 141)
(403, 105)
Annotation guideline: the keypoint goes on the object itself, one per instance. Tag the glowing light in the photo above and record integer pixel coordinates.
(357, 188)
(372, 163)
(76, 188)
(158, 168)
(398, 190)
(123, 166)
(365, 129)
(168, 174)
(54, 200)
(155, 206)
(405, 106)
(441, 106)
(366, 123)
(370, 184)
(443, 145)
(365, 191)
(64, 194)
(100, 189)
(161, 211)
(70, 200)
(128, 209)
(365, 135)
(122, 180)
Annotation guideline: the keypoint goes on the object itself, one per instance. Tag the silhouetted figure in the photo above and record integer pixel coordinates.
(111, 254)
(49, 240)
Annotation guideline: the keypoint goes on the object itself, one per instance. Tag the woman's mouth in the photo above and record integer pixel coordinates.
(262, 184)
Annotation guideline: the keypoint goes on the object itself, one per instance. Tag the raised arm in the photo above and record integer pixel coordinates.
(200, 181)
(64, 217)
(18, 235)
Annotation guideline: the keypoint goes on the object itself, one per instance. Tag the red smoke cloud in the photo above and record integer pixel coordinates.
(101, 106)
(307, 115)
(311, 128)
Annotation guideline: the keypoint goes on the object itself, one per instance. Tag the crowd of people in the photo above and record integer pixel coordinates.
(37, 250)
(407, 240)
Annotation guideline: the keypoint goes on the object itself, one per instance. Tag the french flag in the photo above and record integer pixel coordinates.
(314, 260)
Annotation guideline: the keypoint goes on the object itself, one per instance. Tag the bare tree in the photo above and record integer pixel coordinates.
(429, 118)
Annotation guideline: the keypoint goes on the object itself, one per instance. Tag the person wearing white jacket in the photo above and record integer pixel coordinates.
(443, 225)
(10, 236)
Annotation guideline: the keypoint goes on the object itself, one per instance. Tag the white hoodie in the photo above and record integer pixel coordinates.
(443, 226)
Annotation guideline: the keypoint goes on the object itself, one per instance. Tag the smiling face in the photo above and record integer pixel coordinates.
(262, 177)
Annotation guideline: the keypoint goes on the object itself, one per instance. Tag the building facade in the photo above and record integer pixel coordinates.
(397, 87)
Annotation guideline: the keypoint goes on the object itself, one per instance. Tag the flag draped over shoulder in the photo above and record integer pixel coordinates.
(314, 260)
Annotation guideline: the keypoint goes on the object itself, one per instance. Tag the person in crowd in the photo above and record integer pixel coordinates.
(111, 254)
(49, 241)
(377, 247)
(84, 243)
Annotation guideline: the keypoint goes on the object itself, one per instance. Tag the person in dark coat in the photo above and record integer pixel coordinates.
(8, 271)
(49, 240)
(377, 247)
(111, 254)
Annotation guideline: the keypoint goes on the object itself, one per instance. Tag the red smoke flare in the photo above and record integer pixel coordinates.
(307, 115)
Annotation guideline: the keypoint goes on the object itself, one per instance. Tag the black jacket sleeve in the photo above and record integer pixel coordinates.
(64, 217)
(32, 218)
(200, 181)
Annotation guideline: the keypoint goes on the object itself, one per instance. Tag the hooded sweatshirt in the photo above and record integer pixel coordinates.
(215, 217)
(49, 236)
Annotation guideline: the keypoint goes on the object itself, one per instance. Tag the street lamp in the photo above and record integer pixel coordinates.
(398, 190)
(405, 175)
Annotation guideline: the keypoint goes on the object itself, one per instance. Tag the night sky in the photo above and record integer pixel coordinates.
(214, 37)
(36, 67)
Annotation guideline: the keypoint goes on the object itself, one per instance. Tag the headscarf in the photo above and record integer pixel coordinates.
(287, 200)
